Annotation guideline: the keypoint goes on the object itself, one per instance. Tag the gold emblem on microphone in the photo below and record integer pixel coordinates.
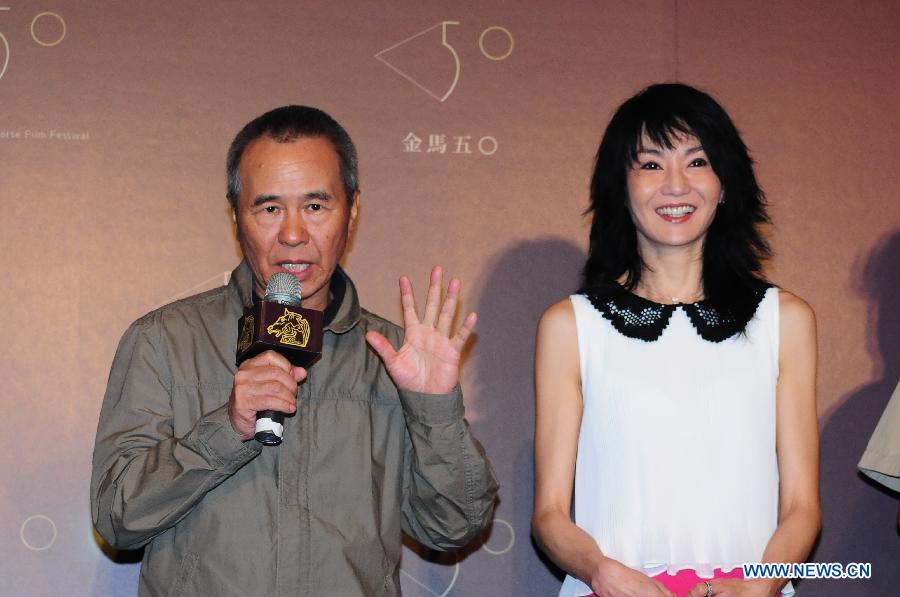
(246, 334)
(289, 327)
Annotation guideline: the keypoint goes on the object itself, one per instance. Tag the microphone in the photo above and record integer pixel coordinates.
(279, 323)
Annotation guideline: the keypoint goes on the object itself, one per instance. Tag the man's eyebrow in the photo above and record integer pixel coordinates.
(260, 199)
(319, 195)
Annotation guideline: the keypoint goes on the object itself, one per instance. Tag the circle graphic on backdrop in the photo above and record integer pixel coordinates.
(497, 57)
(512, 539)
(431, 590)
(6, 54)
(41, 532)
(48, 44)
(490, 141)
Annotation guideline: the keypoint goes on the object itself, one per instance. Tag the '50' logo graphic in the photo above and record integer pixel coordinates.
(38, 23)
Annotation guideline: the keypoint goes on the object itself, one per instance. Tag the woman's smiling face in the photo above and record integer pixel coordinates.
(673, 194)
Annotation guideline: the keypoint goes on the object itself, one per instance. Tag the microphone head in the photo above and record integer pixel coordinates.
(284, 289)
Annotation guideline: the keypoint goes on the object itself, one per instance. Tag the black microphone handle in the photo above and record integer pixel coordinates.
(269, 427)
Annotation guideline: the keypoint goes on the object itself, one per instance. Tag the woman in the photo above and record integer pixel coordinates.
(677, 383)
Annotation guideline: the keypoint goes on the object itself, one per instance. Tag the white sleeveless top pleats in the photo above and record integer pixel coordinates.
(676, 464)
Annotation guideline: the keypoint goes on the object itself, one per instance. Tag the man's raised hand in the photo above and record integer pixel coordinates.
(428, 361)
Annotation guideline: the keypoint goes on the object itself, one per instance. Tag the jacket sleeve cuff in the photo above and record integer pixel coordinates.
(222, 443)
(883, 468)
(433, 409)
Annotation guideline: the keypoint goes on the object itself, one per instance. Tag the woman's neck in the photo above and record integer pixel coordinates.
(671, 276)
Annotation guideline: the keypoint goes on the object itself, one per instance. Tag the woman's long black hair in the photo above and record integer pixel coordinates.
(734, 248)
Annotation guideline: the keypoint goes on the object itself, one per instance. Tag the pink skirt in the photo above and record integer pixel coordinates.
(686, 579)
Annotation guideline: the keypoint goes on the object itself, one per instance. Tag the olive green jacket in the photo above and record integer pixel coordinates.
(320, 514)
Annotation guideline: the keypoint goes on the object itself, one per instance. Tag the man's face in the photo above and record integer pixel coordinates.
(292, 213)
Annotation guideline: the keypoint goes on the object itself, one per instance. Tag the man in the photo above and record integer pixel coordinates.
(374, 440)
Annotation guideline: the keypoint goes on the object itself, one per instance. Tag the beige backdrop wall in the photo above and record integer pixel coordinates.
(476, 123)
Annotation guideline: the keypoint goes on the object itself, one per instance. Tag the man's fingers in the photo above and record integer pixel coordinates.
(272, 402)
(462, 336)
(268, 381)
(433, 302)
(261, 374)
(242, 412)
(448, 309)
(264, 385)
(408, 301)
(268, 358)
(248, 403)
(275, 388)
(383, 347)
(298, 373)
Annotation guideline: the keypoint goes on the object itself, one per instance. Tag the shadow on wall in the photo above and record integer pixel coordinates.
(120, 580)
(859, 516)
(519, 284)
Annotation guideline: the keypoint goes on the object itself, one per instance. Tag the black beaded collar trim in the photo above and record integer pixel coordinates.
(642, 319)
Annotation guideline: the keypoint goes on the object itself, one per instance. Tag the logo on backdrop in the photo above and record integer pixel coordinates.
(430, 63)
(415, 58)
(48, 30)
(454, 144)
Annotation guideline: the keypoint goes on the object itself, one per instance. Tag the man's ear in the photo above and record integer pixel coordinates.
(354, 211)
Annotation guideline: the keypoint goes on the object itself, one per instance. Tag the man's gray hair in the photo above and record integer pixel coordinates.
(285, 125)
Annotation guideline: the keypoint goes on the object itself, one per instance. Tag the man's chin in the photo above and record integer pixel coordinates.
(317, 300)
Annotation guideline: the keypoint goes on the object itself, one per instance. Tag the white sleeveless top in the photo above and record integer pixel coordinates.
(676, 464)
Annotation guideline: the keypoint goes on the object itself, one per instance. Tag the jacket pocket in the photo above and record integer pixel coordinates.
(185, 573)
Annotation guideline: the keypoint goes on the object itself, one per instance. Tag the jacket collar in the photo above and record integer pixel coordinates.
(240, 287)
(345, 311)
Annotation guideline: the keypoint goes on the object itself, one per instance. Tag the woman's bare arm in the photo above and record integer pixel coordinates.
(558, 422)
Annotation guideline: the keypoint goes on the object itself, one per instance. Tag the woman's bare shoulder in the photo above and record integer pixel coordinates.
(558, 317)
(795, 313)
